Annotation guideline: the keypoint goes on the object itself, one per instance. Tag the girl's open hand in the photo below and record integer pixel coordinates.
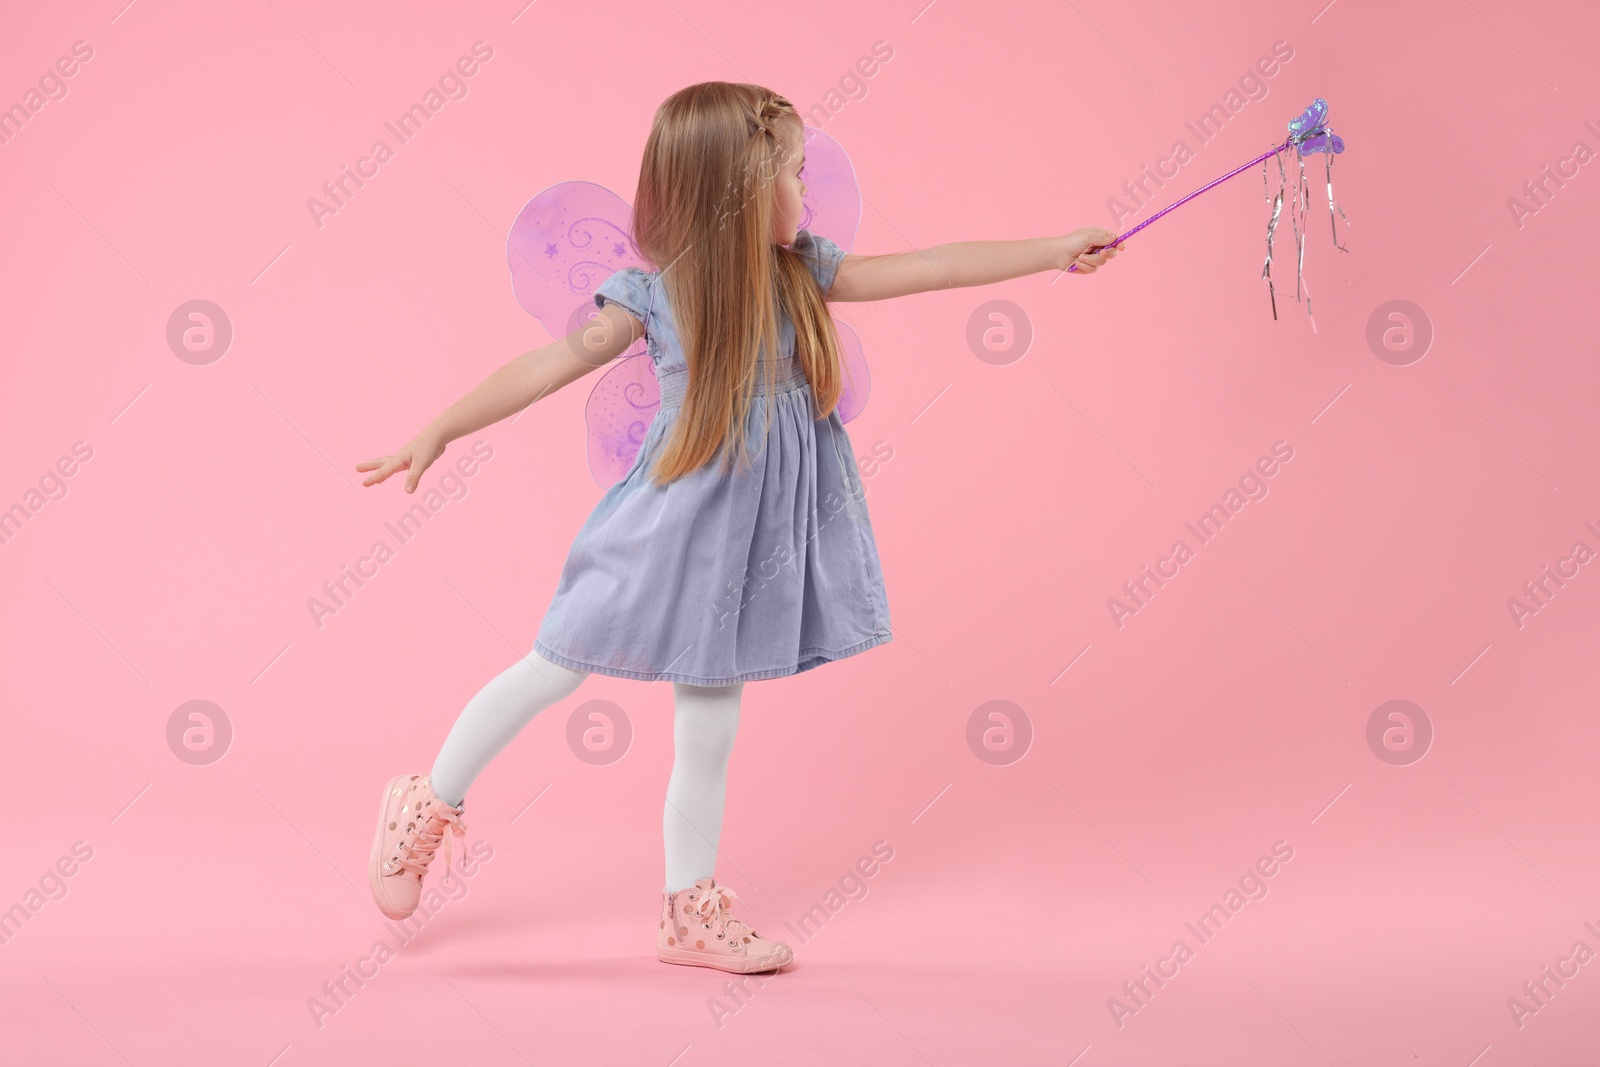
(1076, 247)
(416, 457)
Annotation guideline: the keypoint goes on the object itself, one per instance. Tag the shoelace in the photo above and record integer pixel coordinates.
(416, 857)
(713, 907)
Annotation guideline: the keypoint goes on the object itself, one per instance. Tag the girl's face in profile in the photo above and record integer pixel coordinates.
(788, 189)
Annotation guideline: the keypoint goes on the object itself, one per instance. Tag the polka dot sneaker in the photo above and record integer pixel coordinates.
(412, 821)
(697, 930)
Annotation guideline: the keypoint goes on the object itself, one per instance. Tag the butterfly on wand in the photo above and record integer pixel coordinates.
(574, 235)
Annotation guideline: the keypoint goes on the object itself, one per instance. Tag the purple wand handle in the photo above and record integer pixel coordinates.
(1123, 237)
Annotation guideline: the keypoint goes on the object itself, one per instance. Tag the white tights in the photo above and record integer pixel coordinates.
(705, 720)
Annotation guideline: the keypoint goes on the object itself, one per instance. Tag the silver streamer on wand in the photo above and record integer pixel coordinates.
(1332, 207)
(1308, 133)
(1297, 222)
(1272, 226)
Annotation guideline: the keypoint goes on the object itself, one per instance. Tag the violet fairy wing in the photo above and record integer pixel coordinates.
(857, 378)
(832, 202)
(563, 244)
(618, 415)
(832, 207)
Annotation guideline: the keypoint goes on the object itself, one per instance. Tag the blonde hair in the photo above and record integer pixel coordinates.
(703, 215)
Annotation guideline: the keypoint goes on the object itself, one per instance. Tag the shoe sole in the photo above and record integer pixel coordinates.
(734, 964)
(375, 858)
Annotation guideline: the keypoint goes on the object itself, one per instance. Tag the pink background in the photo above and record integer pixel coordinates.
(1229, 714)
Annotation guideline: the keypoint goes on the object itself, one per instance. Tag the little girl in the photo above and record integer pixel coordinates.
(744, 450)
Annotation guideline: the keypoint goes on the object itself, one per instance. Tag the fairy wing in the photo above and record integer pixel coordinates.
(832, 207)
(618, 415)
(832, 202)
(857, 378)
(564, 243)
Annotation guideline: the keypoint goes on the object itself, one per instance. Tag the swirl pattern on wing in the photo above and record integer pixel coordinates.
(564, 243)
(618, 415)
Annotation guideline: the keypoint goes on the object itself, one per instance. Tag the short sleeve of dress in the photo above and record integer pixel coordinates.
(629, 287)
(821, 255)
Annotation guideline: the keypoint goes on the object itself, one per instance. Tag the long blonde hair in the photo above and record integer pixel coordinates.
(703, 215)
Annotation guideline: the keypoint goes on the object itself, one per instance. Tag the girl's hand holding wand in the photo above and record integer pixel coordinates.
(1077, 245)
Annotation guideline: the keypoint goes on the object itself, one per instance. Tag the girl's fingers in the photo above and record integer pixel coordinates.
(390, 465)
(381, 461)
(1089, 262)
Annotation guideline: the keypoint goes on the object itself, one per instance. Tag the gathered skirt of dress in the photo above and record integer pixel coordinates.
(721, 577)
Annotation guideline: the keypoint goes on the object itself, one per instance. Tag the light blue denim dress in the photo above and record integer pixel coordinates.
(720, 578)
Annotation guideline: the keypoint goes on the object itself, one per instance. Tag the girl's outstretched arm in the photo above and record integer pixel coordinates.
(527, 378)
(965, 263)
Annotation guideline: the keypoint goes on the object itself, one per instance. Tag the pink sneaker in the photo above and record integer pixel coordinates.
(411, 823)
(697, 930)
